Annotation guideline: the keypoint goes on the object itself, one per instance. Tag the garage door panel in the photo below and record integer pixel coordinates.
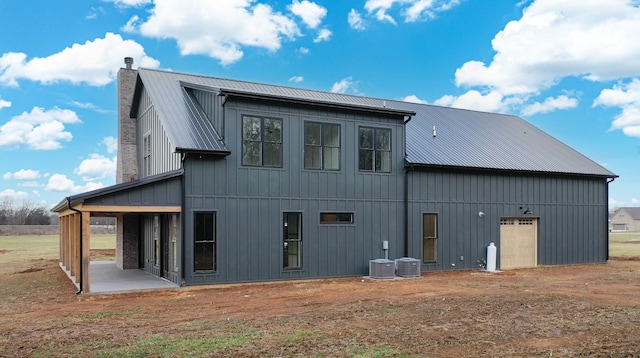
(518, 243)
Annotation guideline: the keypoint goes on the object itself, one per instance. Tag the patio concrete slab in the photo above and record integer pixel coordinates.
(106, 277)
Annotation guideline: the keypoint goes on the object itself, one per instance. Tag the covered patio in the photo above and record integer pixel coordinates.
(106, 277)
(153, 195)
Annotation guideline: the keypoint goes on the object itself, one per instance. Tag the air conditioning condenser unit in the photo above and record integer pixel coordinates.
(382, 268)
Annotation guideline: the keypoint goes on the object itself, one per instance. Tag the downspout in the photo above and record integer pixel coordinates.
(607, 226)
(81, 240)
(406, 192)
(224, 116)
(183, 222)
(406, 209)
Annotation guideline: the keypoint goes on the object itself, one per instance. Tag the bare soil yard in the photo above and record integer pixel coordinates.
(587, 310)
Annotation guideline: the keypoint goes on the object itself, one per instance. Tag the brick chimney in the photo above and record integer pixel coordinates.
(127, 234)
(127, 163)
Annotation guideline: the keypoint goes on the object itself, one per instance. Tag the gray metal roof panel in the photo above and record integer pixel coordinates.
(464, 138)
(150, 180)
(472, 139)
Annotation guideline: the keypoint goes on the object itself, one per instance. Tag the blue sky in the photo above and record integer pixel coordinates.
(569, 67)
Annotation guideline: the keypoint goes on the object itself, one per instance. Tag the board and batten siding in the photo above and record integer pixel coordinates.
(163, 153)
(569, 210)
(250, 201)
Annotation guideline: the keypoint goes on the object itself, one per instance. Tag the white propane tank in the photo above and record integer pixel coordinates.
(491, 257)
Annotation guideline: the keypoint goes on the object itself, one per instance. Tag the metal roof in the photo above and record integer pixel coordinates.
(464, 138)
(633, 211)
(471, 139)
(187, 125)
(72, 200)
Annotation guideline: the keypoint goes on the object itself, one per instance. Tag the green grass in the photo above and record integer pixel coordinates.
(181, 346)
(20, 250)
(624, 244)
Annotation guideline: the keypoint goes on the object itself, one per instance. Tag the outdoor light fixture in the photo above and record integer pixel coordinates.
(481, 214)
(526, 210)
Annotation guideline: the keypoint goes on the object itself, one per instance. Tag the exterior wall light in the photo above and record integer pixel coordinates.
(526, 210)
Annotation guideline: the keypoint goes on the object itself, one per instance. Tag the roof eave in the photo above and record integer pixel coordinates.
(505, 170)
(221, 153)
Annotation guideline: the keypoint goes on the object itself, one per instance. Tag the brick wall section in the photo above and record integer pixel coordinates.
(127, 162)
(127, 242)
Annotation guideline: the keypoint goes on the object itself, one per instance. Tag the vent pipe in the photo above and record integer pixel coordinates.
(128, 61)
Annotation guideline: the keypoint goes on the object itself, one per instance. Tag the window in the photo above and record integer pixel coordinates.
(261, 141)
(292, 255)
(146, 155)
(336, 218)
(429, 238)
(156, 240)
(374, 149)
(507, 222)
(204, 236)
(321, 146)
(174, 240)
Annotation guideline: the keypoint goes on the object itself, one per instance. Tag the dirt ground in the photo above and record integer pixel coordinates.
(582, 310)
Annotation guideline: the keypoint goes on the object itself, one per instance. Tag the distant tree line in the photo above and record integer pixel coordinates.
(26, 214)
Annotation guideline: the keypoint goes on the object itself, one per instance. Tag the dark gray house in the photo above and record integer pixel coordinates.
(231, 181)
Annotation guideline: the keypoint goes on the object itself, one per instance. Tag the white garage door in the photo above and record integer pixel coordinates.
(518, 243)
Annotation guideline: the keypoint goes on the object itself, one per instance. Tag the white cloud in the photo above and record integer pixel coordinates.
(22, 174)
(29, 184)
(4, 104)
(556, 39)
(219, 29)
(96, 167)
(296, 79)
(89, 106)
(111, 143)
(355, 20)
(303, 50)
(39, 129)
(621, 94)
(60, 183)
(342, 86)
(323, 35)
(411, 10)
(132, 24)
(130, 3)
(94, 62)
(550, 104)
(635, 201)
(627, 97)
(414, 99)
(490, 102)
(310, 12)
(13, 195)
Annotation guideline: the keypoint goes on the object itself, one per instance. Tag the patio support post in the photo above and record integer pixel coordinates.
(86, 250)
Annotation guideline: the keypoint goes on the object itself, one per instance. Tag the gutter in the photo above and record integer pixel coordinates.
(81, 272)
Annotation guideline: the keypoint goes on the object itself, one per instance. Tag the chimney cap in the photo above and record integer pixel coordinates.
(128, 61)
